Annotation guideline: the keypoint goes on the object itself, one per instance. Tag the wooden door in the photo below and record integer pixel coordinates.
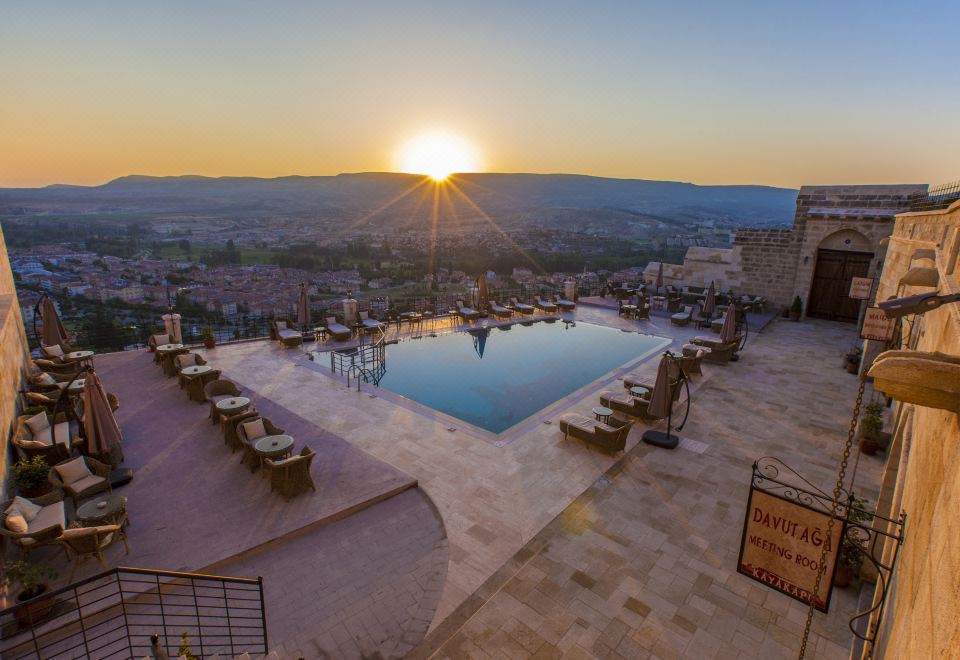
(831, 283)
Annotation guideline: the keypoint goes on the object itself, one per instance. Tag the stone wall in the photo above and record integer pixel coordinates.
(768, 261)
(923, 478)
(14, 357)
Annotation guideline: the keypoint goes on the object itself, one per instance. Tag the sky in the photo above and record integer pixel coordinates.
(766, 92)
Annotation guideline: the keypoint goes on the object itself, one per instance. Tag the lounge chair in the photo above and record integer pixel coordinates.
(626, 403)
(545, 305)
(565, 305)
(43, 435)
(369, 323)
(500, 311)
(80, 477)
(291, 476)
(466, 313)
(58, 370)
(631, 380)
(217, 391)
(682, 318)
(288, 336)
(336, 330)
(32, 522)
(520, 307)
(720, 353)
(611, 436)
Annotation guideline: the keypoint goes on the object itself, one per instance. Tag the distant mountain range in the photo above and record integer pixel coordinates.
(513, 195)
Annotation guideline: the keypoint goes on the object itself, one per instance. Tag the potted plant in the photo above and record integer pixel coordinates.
(208, 339)
(851, 361)
(796, 309)
(30, 476)
(850, 557)
(872, 436)
(32, 580)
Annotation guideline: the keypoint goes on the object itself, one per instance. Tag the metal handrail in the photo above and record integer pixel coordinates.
(115, 613)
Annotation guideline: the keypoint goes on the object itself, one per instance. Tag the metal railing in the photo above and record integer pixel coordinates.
(366, 361)
(114, 614)
(937, 197)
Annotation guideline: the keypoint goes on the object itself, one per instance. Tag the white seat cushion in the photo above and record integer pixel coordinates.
(287, 334)
(53, 351)
(73, 471)
(49, 516)
(87, 482)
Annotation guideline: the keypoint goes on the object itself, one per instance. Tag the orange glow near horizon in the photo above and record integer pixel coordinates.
(437, 154)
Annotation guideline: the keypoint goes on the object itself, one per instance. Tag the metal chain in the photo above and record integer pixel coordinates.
(837, 490)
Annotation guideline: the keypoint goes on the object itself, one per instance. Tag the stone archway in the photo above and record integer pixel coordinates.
(841, 256)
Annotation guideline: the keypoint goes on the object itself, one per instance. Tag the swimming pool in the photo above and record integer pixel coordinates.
(496, 377)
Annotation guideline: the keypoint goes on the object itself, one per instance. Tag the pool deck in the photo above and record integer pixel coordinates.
(492, 499)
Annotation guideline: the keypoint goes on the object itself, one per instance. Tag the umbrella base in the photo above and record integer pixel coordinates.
(734, 357)
(661, 439)
(121, 476)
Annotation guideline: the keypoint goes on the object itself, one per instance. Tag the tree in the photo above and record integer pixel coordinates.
(185, 246)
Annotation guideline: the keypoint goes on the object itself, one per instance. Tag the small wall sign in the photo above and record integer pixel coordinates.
(877, 325)
(860, 288)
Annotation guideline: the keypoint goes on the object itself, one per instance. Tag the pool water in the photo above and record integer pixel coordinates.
(496, 377)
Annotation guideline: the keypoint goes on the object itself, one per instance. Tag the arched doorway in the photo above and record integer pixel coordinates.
(841, 256)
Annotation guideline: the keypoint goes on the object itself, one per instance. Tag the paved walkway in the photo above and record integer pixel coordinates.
(643, 564)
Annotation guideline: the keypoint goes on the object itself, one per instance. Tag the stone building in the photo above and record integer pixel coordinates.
(837, 233)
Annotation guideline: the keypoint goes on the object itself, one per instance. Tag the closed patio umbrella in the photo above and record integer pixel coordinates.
(53, 330)
(171, 325)
(729, 330)
(103, 434)
(710, 302)
(661, 405)
(303, 307)
(660, 277)
(482, 295)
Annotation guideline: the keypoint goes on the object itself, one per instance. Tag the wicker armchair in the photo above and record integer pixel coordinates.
(218, 390)
(47, 400)
(186, 360)
(158, 340)
(230, 423)
(54, 445)
(96, 482)
(45, 526)
(250, 457)
(691, 359)
(58, 370)
(611, 436)
(83, 542)
(291, 476)
(168, 360)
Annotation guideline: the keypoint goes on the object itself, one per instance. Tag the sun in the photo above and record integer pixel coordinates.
(437, 154)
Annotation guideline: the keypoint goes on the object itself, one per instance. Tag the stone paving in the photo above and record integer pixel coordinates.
(493, 500)
(643, 564)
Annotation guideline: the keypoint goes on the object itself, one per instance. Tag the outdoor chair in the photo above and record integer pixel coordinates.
(186, 360)
(642, 312)
(33, 522)
(691, 359)
(248, 432)
(285, 332)
(682, 318)
(499, 310)
(83, 542)
(545, 305)
(466, 313)
(611, 436)
(57, 369)
(229, 424)
(195, 384)
(168, 361)
(43, 435)
(565, 305)
(336, 330)
(43, 381)
(291, 476)
(216, 391)
(523, 308)
(80, 478)
(55, 352)
(720, 352)
(158, 340)
(369, 323)
(673, 371)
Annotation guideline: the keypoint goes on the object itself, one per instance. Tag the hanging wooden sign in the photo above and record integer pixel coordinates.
(860, 288)
(877, 325)
(783, 535)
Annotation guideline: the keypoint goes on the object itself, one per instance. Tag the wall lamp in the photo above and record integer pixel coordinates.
(920, 304)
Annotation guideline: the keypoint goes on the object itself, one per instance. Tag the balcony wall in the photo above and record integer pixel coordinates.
(13, 357)
(923, 477)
